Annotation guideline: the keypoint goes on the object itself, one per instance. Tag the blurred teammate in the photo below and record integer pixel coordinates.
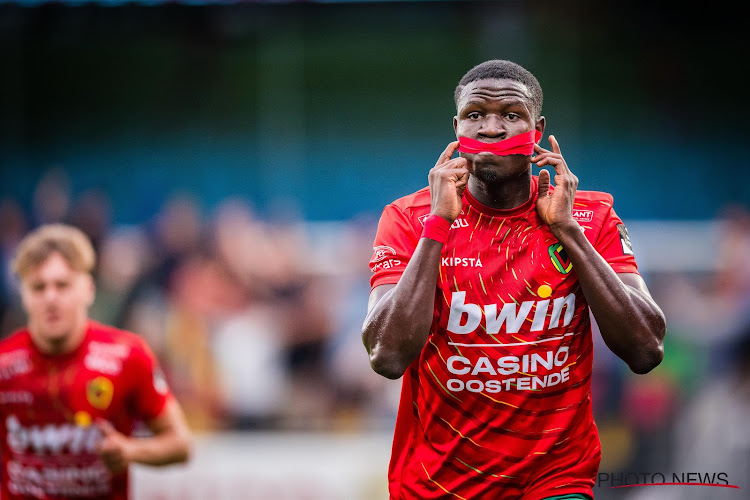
(72, 390)
(480, 297)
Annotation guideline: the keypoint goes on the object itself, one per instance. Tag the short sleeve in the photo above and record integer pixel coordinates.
(613, 243)
(151, 391)
(394, 245)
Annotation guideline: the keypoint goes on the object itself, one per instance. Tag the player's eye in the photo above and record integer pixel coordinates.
(512, 116)
(474, 115)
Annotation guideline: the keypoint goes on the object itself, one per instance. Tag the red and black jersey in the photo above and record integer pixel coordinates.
(498, 404)
(49, 405)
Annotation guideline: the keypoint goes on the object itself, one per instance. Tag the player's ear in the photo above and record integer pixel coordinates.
(455, 125)
(25, 293)
(90, 289)
(540, 124)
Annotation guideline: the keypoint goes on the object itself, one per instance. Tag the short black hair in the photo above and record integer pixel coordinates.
(503, 69)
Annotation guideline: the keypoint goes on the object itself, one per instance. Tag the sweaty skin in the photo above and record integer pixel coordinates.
(400, 316)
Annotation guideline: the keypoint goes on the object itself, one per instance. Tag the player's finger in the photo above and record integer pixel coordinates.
(448, 153)
(105, 426)
(461, 174)
(543, 183)
(462, 180)
(555, 145)
(559, 160)
(446, 175)
(455, 163)
(554, 160)
(448, 167)
(544, 159)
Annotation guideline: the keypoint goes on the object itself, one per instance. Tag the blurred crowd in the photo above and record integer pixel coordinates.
(688, 415)
(256, 324)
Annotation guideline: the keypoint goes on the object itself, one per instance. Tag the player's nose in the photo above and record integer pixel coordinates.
(493, 127)
(50, 294)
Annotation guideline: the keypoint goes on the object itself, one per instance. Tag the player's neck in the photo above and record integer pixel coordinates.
(62, 344)
(503, 193)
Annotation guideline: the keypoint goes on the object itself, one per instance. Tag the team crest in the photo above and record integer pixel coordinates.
(99, 392)
(559, 258)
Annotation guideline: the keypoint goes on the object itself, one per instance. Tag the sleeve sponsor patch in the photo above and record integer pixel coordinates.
(381, 253)
(627, 247)
(384, 257)
(583, 215)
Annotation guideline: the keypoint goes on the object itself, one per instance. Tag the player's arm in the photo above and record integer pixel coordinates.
(399, 316)
(170, 442)
(631, 323)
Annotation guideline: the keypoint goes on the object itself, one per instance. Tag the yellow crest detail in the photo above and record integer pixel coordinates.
(99, 392)
(82, 419)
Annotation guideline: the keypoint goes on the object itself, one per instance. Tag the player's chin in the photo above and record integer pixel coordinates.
(490, 160)
(490, 168)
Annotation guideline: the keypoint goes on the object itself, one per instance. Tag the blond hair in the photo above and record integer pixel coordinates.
(68, 241)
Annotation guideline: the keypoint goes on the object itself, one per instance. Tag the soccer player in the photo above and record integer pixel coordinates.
(481, 290)
(73, 390)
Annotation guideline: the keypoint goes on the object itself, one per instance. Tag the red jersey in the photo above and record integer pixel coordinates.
(498, 403)
(49, 404)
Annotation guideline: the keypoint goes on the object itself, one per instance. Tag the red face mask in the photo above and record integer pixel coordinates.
(521, 144)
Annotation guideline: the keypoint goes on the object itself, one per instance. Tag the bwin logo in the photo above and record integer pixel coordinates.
(52, 438)
(466, 317)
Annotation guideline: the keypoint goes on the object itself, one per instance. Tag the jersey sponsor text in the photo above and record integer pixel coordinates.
(51, 439)
(466, 317)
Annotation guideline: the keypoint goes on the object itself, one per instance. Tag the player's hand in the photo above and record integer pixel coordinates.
(114, 448)
(555, 208)
(448, 180)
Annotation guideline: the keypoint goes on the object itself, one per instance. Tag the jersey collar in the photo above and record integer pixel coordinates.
(510, 212)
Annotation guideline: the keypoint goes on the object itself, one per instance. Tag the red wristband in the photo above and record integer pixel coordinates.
(436, 228)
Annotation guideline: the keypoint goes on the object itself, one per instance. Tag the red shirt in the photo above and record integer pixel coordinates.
(48, 405)
(498, 404)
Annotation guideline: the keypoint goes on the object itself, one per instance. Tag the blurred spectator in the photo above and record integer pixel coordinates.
(712, 312)
(91, 213)
(701, 383)
(124, 258)
(711, 436)
(51, 201)
(13, 227)
(251, 375)
(358, 395)
(174, 235)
